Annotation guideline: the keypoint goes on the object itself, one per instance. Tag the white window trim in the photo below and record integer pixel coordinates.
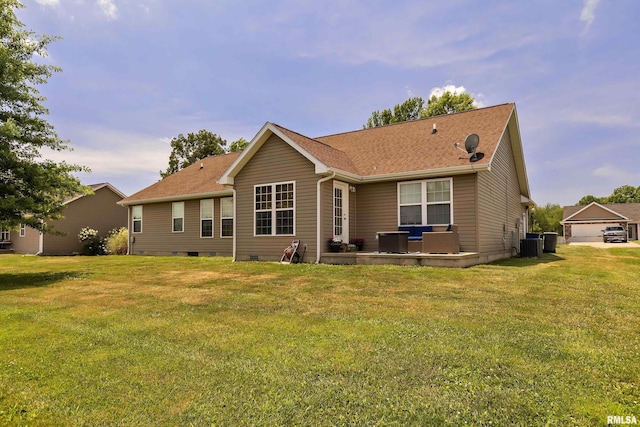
(23, 231)
(213, 204)
(273, 209)
(5, 235)
(424, 203)
(173, 230)
(133, 219)
(231, 217)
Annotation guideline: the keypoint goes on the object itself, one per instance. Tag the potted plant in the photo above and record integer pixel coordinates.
(335, 245)
(359, 242)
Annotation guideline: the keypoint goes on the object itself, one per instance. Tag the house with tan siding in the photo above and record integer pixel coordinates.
(586, 223)
(99, 211)
(286, 186)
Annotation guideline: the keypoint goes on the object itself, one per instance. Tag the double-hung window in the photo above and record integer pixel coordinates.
(206, 218)
(23, 230)
(5, 235)
(226, 217)
(177, 216)
(275, 209)
(136, 214)
(425, 202)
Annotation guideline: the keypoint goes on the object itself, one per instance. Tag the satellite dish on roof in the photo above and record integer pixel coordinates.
(471, 145)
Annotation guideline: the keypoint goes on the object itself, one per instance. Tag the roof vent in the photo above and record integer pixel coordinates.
(201, 165)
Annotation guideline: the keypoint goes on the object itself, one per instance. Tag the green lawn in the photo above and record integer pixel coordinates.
(204, 341)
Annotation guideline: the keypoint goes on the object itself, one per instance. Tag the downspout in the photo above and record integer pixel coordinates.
(129, 230)
(40, 242)
(235, 221)
(318, 216)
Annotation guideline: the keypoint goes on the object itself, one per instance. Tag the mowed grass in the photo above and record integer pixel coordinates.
(204, 341)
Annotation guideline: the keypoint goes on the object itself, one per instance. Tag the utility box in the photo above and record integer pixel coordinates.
(550, 242)
(531, 248)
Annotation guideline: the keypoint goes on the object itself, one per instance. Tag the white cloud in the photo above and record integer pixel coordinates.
(108, 8)
(439, 91)
(588, 13)
(456, 90)
(115, 153)
(607, 120)
(48, 2)
(616, 173)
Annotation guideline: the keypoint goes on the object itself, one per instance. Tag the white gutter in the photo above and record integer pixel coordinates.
(398, 176)
(318, 216)
(129, 235)
(176, 198)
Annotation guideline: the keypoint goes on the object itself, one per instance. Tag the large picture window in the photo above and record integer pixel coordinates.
(206, 218)
(275, 209)
(177, 216)
(226, 217)
(136, 213)
(425, 202)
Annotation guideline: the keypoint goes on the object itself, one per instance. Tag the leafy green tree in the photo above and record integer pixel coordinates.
(238, 145)
(411, 109)
(625, 194)
(588, 199)
(186, 150)
(33, 188)
(547, 218)
(448, 103)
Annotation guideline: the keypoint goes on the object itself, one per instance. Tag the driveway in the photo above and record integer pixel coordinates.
(606, 245)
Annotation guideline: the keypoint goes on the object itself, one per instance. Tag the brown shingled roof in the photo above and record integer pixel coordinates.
(325, 153)
(629, 210)
(411, 146)
(192, 180)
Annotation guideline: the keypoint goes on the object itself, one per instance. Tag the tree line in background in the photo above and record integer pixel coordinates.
(414, 109)
(624, 194)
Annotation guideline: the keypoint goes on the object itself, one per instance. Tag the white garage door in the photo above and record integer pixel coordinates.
(588, 232)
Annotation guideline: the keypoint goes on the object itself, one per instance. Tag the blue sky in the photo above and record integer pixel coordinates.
(138, 72)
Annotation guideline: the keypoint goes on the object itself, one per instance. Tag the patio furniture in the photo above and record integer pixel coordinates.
(444, 242)
(393, 241)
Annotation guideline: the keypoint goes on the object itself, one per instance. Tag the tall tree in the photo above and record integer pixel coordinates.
(625, 194)
(448, 103)
(238, 145)
(33, 188)
(588, 199)
(186, 150)
(411, 109)
(547, 218)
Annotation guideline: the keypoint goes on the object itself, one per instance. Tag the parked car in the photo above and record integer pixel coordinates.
(614, 233)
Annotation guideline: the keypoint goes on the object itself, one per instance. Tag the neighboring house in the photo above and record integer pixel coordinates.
(287, 186)
(99, 211)
(585, 223)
